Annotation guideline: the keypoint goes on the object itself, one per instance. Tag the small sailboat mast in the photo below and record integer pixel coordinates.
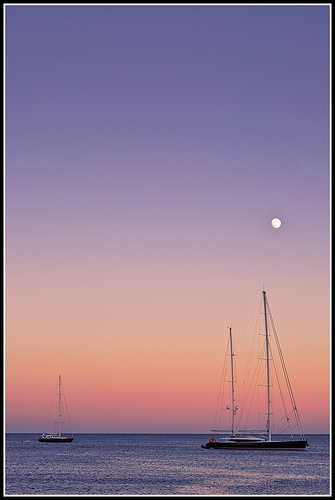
(59, 405)
(232, 383)
(268, 426)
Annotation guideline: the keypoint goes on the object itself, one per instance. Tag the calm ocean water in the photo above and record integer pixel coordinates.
(161, 464)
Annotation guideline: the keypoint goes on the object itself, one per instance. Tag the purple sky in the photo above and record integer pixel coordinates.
(170, 116)
(148, 149)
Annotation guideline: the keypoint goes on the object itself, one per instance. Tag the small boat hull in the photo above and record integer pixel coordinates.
(258, 445)
(56, 439)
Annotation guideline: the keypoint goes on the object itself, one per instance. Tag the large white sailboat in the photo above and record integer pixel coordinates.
(57, 437)
(242, 438)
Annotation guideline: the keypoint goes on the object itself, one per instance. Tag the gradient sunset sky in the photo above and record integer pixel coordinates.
(148, 148)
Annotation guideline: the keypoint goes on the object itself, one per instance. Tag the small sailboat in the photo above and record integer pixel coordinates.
(260, 439)
(57, 437)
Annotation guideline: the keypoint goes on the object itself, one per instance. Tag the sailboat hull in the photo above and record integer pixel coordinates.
(260, 445)
(56, 439)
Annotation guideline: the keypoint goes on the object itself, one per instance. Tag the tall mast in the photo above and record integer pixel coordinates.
(268, 427)
(59, 406)
(232, 383)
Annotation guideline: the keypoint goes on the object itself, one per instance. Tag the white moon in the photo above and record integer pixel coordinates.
(276, 223)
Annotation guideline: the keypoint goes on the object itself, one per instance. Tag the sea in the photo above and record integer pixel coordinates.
(161, 465)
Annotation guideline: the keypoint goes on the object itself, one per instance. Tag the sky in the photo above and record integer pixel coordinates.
(147, 149)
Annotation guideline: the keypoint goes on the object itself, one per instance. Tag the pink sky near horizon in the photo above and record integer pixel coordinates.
(142, 377)
(147, 151)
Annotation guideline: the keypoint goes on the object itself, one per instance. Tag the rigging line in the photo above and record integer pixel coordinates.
(50, 413)
(287, 423)
(252, 372)
(250, 393)
(247, 375)
(278, 382)
(67, 412)
(289, 387)
(246, 326)
(221, 392)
